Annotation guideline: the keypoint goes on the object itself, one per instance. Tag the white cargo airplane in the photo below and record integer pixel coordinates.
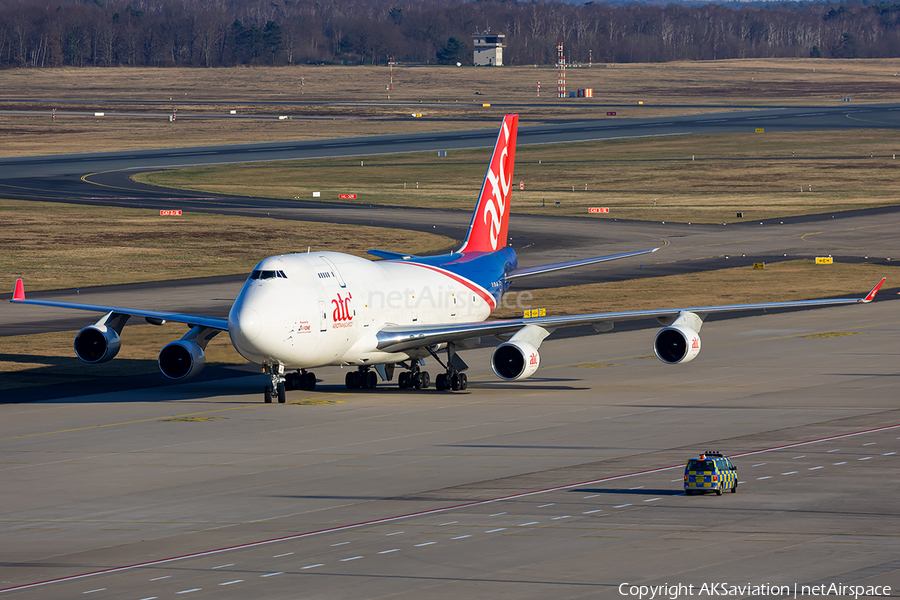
(300, 311)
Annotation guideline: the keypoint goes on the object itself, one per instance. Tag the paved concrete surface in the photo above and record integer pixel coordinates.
(111, 480)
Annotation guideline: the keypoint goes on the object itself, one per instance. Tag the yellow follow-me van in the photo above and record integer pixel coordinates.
(710, 472)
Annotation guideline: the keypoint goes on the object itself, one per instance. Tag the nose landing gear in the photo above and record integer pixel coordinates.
(300, 380)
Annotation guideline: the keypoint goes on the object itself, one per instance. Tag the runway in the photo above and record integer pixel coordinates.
(563, 486)
(804, 118)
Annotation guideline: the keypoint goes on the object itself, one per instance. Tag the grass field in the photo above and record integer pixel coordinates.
(132, 245)
(447, 97)
(701, 179)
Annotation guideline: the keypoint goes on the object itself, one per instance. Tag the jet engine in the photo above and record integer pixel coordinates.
(97, 344)
(515, 359)
(181, 359)
(676, 344)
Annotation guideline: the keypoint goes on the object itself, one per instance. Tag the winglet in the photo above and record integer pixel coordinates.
(871, 295)
(19, 294)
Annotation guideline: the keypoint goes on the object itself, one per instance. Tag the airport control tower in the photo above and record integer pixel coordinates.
(488, 49)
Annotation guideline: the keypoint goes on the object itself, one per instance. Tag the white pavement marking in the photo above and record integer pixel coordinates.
(840, 463)
(497, 514)
(562, 517)
(801, 456)
(835, 450)
(546, 505)
(759, 465)
(395, 533)
(869, 444)
(313, 566)
(425, 544)
(865, 458)
(790, 473)
(92, 591)
(351, 558)
(460, 537)
(392, 550)
(150, 598)
(448, 523)
(273, 574)
(766, 477)
(590, 512)
(158, 578)
(595, 495)
(528, 523)
(280, 555)
(888, 453)
(674, 480)
(652, 499)
(339, 544)
(496, 530)
(814, 468)
(230, 582)
(220, 567)
(621, 506)
(639, 487)
(189, 591)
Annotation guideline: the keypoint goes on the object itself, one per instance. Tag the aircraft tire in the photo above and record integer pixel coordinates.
(350, 380)
(439, 382)
(281, 396)
(426, 379)
(454, 382)
(371, 380)
(403, 380)
(268, 394)
(309, 381)
(463, 381)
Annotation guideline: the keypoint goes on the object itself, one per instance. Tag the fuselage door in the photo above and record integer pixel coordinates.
(323, 316)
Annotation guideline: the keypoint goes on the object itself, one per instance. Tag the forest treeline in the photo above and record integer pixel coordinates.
(213, 33)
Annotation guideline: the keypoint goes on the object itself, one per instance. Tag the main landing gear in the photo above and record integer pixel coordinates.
(454, 378)
(300, 380)
(362, 378)
(414, 378)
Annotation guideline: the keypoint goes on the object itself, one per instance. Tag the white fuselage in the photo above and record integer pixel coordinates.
(322, 308)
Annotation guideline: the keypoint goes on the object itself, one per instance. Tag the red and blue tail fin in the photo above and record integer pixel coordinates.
(490, 222)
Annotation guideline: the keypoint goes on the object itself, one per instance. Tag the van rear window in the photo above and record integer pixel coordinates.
(701, 465)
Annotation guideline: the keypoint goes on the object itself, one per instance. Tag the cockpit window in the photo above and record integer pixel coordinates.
(259, 274)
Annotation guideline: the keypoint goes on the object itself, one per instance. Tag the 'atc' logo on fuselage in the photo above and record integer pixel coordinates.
(342, 308)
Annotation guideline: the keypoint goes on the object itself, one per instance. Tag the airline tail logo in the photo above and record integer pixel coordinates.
(490, 223)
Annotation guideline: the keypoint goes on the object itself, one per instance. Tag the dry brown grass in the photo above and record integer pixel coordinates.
(69, 249)
(750, 173)
(445, 96)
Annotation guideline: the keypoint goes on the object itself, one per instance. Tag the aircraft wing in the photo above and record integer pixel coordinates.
(541, 269)
(211, 322)
(397, 338)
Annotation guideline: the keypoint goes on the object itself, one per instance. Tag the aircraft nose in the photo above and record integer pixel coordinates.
(248, 323)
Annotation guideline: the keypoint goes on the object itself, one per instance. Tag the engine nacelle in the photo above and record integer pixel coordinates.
(676, 344)
(515, 359)
(97, 344)
(181, 359)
